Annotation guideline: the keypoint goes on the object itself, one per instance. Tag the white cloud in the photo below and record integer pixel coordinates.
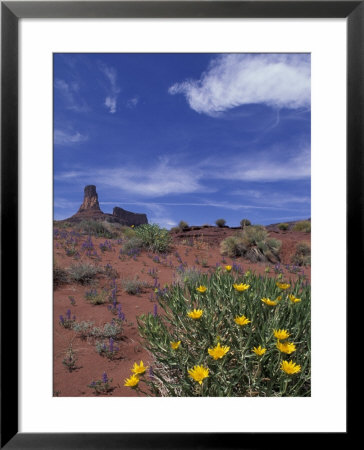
(110, 102)
(71, 97)
(132, 102)
(113, 88)
(68, 138)
(277, 80)
(262, 167)
(152, 181)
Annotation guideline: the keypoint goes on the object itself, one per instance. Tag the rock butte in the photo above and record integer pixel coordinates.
(90, 210)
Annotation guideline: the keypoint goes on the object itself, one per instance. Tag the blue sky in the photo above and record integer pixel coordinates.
(193, 137)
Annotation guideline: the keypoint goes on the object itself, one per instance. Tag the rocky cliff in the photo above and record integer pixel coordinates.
(90, 210)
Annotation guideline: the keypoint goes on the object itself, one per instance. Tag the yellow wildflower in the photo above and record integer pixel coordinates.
(279, 298)
(228, 268)
(132, 381)
(242, 320)
(259, 350)
(281, 334)
(218, 351)
(290, 367)
(175, 345)
(201, 289)
(294, 299)
(132, 226)
(286, 347)
(195, 314)
(269, 302)
(198, 373)
(138, 370)
(241, 287)
(283, 285)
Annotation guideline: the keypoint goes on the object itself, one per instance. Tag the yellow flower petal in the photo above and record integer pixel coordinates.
(132, 381)
(195, 314)
(175, 345)
(218, 351)
(139, 369)
(290, 367)
(199, 373)
(242, 320)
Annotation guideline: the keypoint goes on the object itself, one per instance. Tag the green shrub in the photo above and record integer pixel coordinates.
(245, 223)
(97, 298)
(233, 247)
(183, 225)
(239, 372)
(83, 329)
(95, 228)
(253, 244)
(304, 225)
(220, 222)
(283, 226)
(61, 224)
(188, 276)
(302, 256)
(83, 273)
(60, 276)
(134, 286)
(153, 237)
(133, 243)
(254, 234)
(128, 232)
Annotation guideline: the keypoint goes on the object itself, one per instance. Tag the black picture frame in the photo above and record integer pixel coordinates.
(11, 12)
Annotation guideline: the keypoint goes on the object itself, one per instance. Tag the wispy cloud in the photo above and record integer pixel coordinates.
(266, 167)
(67, 138)
(156, 180)
(132, 102)
(113, 88)
(277, 80)
(70, 94)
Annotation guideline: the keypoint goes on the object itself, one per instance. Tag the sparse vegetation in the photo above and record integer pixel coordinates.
(97, 298)
(304, 225)
(60, 276)
(96, 228)
(183, 225)
(154, 238)
(220, 222)
(134, 286)
(133, 243)
(252, 243)
(302, 256)
(283, 226)
(70, 359)
(245, 223)
(233, 246)
(83, 273)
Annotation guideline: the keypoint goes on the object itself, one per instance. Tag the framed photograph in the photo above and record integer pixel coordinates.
(163, 164)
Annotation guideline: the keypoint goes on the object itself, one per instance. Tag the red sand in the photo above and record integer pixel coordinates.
(90, 364)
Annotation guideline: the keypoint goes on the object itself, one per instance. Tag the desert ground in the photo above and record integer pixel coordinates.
(197, 247)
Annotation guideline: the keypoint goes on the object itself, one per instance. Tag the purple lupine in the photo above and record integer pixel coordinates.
(155, 310)
(61, 319)
(68, 314)
(104, 378)
(111, 345)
